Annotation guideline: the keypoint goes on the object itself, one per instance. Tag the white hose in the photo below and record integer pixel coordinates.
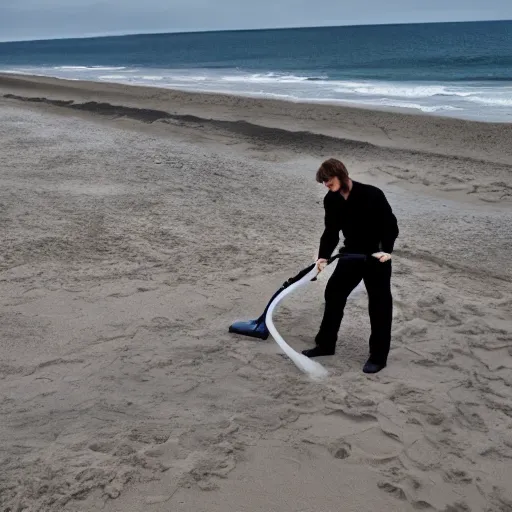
(312, 368)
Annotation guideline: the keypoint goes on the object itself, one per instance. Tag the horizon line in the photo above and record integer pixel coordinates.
(208, 31)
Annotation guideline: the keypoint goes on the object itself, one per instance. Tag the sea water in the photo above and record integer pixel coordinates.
(453, 69)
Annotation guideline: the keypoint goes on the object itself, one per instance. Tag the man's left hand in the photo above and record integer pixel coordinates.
(382, 256)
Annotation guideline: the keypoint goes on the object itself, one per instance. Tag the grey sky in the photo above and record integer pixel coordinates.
(33, 19)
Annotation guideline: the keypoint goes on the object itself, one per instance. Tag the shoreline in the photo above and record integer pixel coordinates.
(336, 103)
(397, 128)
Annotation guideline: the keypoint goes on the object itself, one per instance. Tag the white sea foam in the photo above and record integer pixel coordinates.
(270, 78)
(89, 68)
(112, 78)
(478, 100)
(406, 104)
(501, 102)
(17, 72)
(396, 90)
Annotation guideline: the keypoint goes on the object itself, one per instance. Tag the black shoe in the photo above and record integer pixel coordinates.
(370, 367)
(318, 351)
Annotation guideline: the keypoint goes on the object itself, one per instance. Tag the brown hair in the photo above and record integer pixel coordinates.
(333, 168)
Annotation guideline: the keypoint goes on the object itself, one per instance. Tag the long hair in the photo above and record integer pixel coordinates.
(333, 168)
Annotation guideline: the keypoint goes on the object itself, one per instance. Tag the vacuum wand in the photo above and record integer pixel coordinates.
(257, 328)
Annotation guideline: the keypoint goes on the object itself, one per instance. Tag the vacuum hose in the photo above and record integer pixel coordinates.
(314, 369)
(263, 326)
(304, 363)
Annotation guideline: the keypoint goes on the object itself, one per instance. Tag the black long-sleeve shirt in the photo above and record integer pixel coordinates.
(365, 219)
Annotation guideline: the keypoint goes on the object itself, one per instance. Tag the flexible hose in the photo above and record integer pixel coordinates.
(315, 370)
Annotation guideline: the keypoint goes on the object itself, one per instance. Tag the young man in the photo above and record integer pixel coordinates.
(369, 226)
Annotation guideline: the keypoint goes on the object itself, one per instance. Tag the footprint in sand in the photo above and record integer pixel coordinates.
(157, 434)
(457, 476)
(375, 445)
(412, 328)
(101, 447)
(340, 450)
(394, 490)
(123, 450)
(359, 435)
(431, 300)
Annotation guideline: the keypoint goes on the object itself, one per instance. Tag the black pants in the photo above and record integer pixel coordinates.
(377, 279)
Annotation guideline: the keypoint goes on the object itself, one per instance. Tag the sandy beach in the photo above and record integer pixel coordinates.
(139, 223)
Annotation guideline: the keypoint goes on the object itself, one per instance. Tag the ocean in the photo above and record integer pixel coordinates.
(461, 70)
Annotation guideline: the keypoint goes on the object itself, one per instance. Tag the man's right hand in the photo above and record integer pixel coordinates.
(320, 264)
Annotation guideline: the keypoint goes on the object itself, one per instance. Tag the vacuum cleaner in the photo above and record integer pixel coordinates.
(263, 326)
(257, 328)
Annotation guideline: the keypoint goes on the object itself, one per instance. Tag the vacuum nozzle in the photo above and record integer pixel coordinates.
(253, 328)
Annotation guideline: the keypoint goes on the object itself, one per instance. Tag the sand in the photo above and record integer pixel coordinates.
(139, 223)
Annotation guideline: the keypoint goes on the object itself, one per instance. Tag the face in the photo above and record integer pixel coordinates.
(333, 184)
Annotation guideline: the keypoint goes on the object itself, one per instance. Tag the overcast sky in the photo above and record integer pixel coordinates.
(34, 19)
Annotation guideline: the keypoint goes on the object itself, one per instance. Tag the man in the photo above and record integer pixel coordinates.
(369, 226)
